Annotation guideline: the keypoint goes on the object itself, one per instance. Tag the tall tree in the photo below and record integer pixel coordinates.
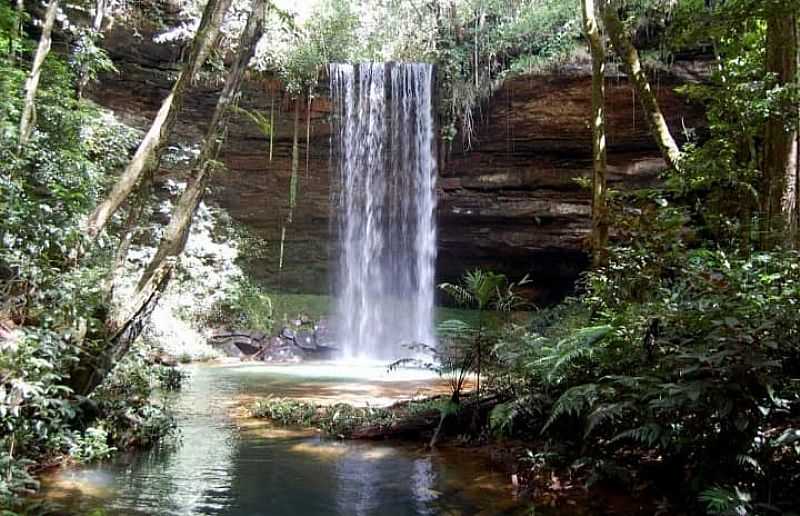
(292, 181)
(148, 155)
(599, 201)
(632, 65)
(16, 28)
(155, 278)
(97, 26)
(28, 119)
(778, 195)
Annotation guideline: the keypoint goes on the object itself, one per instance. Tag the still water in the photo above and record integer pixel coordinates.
(224, 464)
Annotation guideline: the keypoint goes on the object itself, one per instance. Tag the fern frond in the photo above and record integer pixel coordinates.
(573, 402)
(455, 328)
(580, 345)
(722, 500)
(605, 412)
(745, 460)
(649, 434)
(460, 294)
(261, 120)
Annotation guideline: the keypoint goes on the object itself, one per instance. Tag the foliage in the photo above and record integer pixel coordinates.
(339, 420)
(91, 446)
(127, 401)
(245, 305)
(464, 344)
(89, 59)
(683, 351)
(52, 284)
(724, 501)
(723, 170)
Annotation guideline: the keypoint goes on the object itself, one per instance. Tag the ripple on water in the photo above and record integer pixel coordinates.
(232, 466)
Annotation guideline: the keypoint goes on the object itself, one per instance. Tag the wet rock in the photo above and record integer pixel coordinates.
(305, 341)
(281, 354)
(247, 347)
(228, 349)
(323, 335)
(325, 352)
(237, 343)
(287, 334)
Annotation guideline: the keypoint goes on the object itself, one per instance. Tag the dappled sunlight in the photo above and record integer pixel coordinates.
(91, 484)
(323, 450)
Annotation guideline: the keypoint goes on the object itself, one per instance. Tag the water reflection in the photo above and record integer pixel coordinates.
(222, 466)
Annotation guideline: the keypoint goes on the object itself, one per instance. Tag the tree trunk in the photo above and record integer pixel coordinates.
(308, 131)
(136, 209)
(28, 119)
(598, 122)
(271, 122)
(292, 181)
(16, 28)
(295, 162)
(92, 371)
(148, 154)
(629, 56)
(778, 188)
(175, 235)
(97, 25)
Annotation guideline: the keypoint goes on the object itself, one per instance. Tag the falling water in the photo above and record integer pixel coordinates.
(383, 152)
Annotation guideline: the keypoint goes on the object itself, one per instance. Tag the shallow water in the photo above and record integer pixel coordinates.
(227, 465)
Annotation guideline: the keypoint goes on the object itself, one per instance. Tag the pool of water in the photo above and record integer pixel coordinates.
(224, 464)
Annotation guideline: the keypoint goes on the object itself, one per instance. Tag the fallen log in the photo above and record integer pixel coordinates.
(416, 425)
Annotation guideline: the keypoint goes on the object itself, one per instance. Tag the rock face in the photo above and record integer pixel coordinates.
(509, 203)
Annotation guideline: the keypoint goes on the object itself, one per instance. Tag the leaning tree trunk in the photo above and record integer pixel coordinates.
(97, 25)
(175, 235)
(28, 119)
(598, 122)
(779, 183)
(134, 315)
(629, 56)
(148, 154)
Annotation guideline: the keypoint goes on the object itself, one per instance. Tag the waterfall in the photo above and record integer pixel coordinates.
(383, 153)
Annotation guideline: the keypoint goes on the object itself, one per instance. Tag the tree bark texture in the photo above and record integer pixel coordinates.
(599, 161)
(148, 154)
(778, 195)
(28, 118)
(91, 372)
(176, 233)
(632, 65)
(97, 26)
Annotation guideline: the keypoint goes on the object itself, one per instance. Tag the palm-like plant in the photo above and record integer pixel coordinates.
(479, 290)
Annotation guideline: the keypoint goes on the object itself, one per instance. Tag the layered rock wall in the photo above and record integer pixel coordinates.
(509, 203)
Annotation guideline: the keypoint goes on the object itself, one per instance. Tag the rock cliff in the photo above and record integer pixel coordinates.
(509, 203)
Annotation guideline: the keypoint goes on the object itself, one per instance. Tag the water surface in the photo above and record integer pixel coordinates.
(226, 465)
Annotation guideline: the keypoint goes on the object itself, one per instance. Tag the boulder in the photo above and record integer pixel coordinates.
(323, 335)
(305, 340)
(227, 348)
(287, 333)
(247, 347)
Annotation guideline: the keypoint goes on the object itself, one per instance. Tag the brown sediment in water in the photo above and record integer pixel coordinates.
(63, 487)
